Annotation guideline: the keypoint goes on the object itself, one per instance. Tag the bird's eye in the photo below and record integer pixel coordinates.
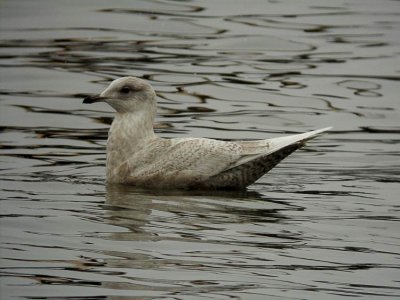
(125, 90)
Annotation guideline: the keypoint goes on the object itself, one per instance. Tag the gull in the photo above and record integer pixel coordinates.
(137, 156)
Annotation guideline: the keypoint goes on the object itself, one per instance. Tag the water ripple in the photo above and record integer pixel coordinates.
(323, 224)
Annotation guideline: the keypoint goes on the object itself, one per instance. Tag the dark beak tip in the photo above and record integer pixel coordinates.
(91, 99)
(87, 100)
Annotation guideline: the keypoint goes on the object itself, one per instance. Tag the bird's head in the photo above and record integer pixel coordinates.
(127, 95)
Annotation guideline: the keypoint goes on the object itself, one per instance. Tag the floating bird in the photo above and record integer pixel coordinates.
(136, 156)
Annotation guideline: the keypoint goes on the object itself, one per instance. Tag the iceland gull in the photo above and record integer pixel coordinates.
(136, 156)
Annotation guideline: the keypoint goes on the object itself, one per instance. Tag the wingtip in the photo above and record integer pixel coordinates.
(312, 134)
(324, 129)
(318, 131)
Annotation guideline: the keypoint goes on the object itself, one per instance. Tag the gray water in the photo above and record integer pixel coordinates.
(324, 224)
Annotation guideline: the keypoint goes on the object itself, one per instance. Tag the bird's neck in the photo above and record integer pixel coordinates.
(129, 133)
(130, 130)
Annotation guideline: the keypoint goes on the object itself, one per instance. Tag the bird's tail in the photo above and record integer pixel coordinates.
(281, 142)
(251, 168)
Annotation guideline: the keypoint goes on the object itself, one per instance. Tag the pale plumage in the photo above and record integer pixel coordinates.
(136, 156)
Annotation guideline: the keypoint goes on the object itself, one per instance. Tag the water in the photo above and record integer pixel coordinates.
(322, 225)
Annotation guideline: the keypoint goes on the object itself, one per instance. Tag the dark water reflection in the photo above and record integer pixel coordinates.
(322, 225)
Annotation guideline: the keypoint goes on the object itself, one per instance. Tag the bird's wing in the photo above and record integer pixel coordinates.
(202, 156)
(198, 159)
(180, 162)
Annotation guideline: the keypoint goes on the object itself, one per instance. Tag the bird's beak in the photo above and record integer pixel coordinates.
(93, 98)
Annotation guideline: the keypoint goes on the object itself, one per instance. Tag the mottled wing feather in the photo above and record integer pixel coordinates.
(199, 162)
(247, 173)
(182, 162)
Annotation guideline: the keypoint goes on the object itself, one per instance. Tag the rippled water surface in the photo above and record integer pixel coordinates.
(324, 224)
